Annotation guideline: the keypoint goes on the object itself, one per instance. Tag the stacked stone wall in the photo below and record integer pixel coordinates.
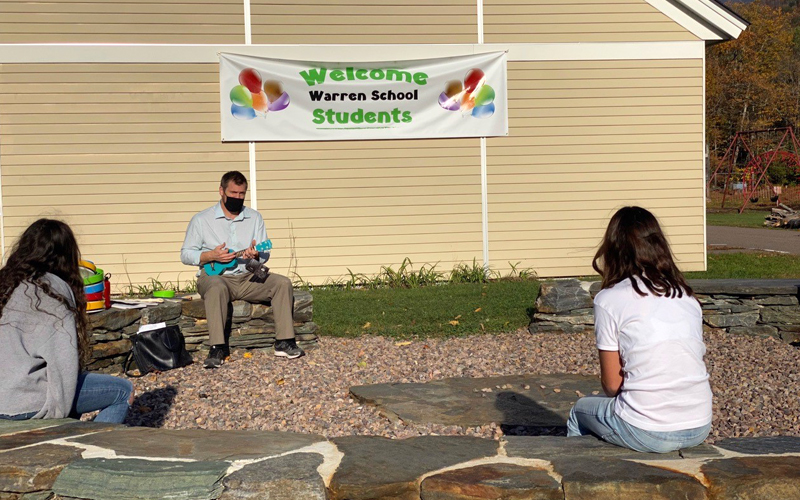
(252, 326)
(739, 307)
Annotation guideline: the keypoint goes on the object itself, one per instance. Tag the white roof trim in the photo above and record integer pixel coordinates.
(704, 18)
(145, 53)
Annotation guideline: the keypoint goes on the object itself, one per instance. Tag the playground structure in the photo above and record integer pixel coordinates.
(748, 159)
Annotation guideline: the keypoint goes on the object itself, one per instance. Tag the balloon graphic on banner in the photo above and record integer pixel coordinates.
(278, 99)
(242, 113)
(474, 79)
(251, 79)
(450, 99)
(260, 102)
(484, 95)
(241, 96)
(254, 96)
(475, 97)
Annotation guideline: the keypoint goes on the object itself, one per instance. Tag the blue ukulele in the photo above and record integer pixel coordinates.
(215, 268)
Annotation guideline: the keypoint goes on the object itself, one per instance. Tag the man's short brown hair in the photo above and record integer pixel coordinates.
(235, 176)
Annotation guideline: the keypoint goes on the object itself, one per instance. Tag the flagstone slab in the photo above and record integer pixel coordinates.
(611, 478)
(34, 468)
(492, 482)
(114, 319)
(762, 445)
(377, 467)
(547, 447)
(70, 428)
(702, 451)
(290, 477)
(200, 444)
(754, 477)
(38, 495)
(562, 296)
(12, 426)
(135, 479)
(516, 400)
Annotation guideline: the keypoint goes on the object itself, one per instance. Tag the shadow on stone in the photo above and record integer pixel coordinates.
(529, 403)
(150, 409)
(518, 409)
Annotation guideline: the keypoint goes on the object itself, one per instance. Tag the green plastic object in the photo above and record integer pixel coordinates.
(164, 294)
(95, 278)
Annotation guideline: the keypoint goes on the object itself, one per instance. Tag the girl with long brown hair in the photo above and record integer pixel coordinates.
(43, 331)
(649, 331)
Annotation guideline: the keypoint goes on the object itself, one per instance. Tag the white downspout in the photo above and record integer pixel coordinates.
(2, 218)
(484, 183)
(251, 146)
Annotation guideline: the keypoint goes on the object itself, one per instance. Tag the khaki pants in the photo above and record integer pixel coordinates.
(219, 291)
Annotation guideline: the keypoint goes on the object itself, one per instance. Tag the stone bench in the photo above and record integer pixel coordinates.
(252, 326)
(738, 307)
(71, 459)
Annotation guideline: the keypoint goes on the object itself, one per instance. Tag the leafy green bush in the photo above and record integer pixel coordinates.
(406, 277)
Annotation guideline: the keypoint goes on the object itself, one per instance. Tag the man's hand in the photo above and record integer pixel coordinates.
(251, 253)
(219, 254)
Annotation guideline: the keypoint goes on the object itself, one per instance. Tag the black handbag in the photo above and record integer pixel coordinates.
(157, 351)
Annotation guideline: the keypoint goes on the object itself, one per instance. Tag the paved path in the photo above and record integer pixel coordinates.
(779, 240)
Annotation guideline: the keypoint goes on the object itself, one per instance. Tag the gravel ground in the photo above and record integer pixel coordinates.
(755, 383)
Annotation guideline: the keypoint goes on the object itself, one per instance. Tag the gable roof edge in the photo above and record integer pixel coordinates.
(706, 19)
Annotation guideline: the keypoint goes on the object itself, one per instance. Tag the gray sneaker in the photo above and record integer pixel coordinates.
(288, 349)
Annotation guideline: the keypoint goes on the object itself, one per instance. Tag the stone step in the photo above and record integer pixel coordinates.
(528, 401)
(38, 458)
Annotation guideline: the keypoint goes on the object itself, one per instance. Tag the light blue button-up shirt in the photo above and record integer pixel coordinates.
(210, 228)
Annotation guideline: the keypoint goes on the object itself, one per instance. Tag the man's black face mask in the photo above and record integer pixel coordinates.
(234, 205)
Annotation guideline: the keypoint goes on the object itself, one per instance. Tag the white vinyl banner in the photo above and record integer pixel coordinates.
(278, 100)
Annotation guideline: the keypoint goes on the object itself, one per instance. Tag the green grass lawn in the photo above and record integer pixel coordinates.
(431, 311)
(449, 310)
(750, 218)
(750, 265)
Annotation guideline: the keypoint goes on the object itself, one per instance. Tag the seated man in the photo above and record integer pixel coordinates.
(223, 233)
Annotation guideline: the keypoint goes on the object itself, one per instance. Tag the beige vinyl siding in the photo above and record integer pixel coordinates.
(360, 205)
(334, 22)
(364, 22)
(588, 137)
(555, 21)
(125, 153)
(122, 21)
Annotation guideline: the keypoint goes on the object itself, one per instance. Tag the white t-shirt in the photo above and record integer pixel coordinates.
(660, 341)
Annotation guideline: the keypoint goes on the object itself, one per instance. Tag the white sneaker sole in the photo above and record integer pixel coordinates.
(282, 354)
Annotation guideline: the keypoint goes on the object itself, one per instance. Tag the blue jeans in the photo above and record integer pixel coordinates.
(106, 393)
(595, 415)
(95, 391)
